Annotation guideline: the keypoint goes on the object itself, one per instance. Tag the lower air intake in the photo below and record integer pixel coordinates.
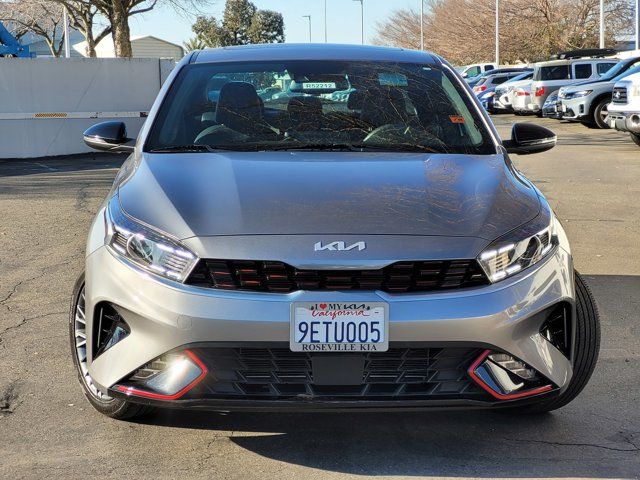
(278, 373)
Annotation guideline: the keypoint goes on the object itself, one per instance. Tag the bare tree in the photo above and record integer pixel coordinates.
(83, 17)
(530, 30)
(41, 17)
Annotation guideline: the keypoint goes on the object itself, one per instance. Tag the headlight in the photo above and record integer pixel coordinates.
(636, 90)
(581, 93)
(518, 250)
(148, 249)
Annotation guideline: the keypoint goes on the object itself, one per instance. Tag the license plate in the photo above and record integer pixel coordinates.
(339, 327)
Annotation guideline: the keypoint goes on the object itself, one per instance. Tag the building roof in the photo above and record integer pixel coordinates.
(312, 51)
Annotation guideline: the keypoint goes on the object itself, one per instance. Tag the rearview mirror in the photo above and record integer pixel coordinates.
(109, 137)
(527, 138)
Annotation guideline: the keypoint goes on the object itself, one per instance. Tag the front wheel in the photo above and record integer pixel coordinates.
(112, 407)
(636, 138)
(601, 113)
(587, 347)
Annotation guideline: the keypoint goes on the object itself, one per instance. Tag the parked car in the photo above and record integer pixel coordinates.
(588, 102)
(624, 109)
(521, 99)
(387, 255)
(550, 107)
(470, 72)
(548, 77)
(497, 77)
(502, 98)
(485, 88)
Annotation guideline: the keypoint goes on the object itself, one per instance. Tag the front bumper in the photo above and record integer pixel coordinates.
(575, 109)
(165, 316)
(625, 121)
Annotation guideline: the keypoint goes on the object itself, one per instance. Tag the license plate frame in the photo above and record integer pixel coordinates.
(326, 335)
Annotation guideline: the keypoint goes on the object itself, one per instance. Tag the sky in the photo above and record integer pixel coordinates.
(343, 19)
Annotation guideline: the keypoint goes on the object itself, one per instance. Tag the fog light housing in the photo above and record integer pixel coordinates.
(168, 377)
(506, 377)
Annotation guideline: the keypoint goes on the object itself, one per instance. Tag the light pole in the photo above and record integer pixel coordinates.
(65, 29)
(421, 24)
(637, 25)
(325, 21)
(361, 19)
(497, 32)
(309, 18)
(601, 23)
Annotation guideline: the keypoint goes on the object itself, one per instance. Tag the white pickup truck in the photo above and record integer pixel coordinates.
(624, 109)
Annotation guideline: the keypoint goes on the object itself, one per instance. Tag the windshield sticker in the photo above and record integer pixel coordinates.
(392, 79)
(319, 86)
(456, 118)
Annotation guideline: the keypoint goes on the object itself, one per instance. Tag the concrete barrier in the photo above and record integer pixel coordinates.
(46, 103)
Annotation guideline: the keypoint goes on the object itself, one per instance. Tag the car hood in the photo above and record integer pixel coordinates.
(300, 193)
(598, 85)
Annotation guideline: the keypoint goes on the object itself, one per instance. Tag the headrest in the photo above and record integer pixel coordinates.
(239, 106)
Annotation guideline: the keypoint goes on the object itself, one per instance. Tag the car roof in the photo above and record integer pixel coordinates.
(310, 51)
(552, 63)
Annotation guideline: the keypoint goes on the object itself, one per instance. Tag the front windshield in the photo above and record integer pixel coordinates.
(626, 73)
(318, 105)
(522, 76)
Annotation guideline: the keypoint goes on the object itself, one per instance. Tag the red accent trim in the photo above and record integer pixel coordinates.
(158, 396)
(501, 396)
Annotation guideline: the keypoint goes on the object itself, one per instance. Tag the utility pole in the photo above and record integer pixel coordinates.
(65, 29)
(637, 25)
(325, 21)
(498, 32)
(361, 19)
(601, 23)
(308, 17)
(421, 24)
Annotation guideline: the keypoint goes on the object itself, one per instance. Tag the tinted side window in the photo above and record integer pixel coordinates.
(500, 79)
(555, 72)
(488, 67)
(603, 68)
(583, 70)
(473, 71)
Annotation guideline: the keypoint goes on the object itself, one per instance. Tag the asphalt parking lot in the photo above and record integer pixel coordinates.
(47, 428)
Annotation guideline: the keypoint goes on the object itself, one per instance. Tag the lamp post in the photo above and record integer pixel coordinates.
(308, 17)
(65, 29)
(601, 23)
(637, 25)
(325, 21)
(421, 24)
(361, 19)
(498, 32)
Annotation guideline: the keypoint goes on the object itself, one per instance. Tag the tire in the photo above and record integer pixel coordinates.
(587, 347)
(109, 406)
(600, 112)
(636, 138)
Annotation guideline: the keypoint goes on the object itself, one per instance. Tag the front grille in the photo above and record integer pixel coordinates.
(278, 277)
(278, 373)
(619, 95)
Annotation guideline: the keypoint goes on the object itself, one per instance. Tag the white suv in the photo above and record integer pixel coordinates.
(548, 77)
(624, 109)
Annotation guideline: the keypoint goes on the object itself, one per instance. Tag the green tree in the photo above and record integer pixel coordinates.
(242, 23)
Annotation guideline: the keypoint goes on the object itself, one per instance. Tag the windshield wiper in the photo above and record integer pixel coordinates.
(348, 147)
(201, 148)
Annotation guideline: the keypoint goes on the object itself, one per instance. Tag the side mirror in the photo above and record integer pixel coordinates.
(465, 75)
(109, 137)
(527, 138)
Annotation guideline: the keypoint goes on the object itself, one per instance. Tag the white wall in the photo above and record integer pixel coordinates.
(30, 86)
